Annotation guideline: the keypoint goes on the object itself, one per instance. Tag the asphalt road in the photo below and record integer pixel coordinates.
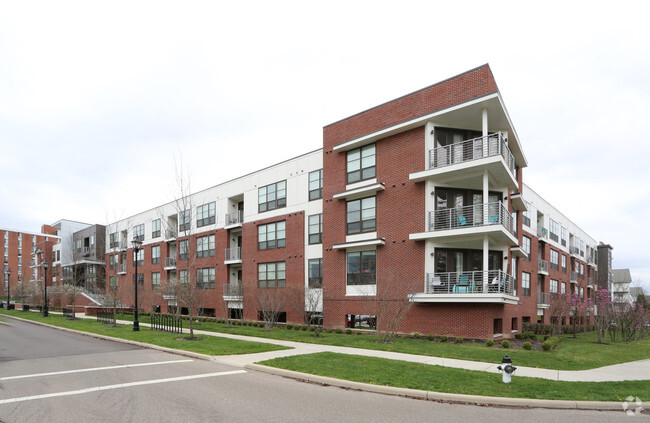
(47, 375)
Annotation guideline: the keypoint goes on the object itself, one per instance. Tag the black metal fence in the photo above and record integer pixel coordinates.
(104, 315)
(166, 323)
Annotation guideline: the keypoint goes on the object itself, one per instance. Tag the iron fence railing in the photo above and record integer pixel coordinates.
(472, 149)
(471, 216)
(474, 282)
(166, 323)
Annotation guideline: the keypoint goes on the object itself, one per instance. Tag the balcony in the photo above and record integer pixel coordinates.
(543, 300)
(469, 159)
(170, 263)
(121, 269)
(474, 221)
(124, 245)
(575, 251)
(232, 292)
(491, 286)
(542, 234)
(170, 234)
(233, 255)
(574, 277)
(542, 267)
(234, 219)
(85, 252)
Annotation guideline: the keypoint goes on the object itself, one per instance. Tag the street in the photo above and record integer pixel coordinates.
(47, 375)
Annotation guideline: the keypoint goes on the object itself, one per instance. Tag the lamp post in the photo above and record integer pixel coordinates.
(45, 266)
(8, 272)
(136, 248)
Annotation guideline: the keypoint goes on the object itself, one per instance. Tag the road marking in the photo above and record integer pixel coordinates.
(95, 369)
(119, 386)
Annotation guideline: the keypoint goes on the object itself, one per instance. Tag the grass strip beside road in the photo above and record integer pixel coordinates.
(380, 371)
(210, 345)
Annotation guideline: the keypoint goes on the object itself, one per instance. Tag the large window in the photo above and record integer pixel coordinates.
(184, 220)
(155, 228)
(526, 216)
(362, 268)
(113, 283)
(525, 284)
(555, 260)
(315, 273)
(155, 280)
(113, 260)
(316, 184)
(155, 254)
(554, 230)
(205, 278)
(138, 232)
(361, 215)
(553, 286)
(565, 236)
(183, 249)
(139, 257)
(114, 240)
(271, 275)
(182, 276)
(271, 235)
(361, 164)
(525, 244)
(563, 263)
(205, 246)
(272, 196)
(316, 229)
(205, 214)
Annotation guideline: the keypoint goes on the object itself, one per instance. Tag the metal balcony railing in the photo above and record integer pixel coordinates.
(476, 282)
(121, 269)
(472, 149)
(543, 298)
(542, 266)
(542, 233)
(574, 250)
(471, 216)
(170, 234)
(86, 251)
(170, 262)
(235, 218)
(232, 290)
(574, 277)
(233, 253)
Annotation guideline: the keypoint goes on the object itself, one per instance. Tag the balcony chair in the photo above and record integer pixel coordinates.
(463, 284)
(462, 220)
(493, 219)
(435, 284)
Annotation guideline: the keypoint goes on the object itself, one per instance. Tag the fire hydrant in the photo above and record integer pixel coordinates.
(507, 368)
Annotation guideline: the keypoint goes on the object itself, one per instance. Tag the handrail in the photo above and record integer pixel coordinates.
(472, 149)
(235, 217)
(472, 282)
(233, 253)
(471, 216)
(232, 290)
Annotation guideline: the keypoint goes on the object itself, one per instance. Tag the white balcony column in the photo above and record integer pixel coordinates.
(484, 128)
(486, 195)
(486, 261)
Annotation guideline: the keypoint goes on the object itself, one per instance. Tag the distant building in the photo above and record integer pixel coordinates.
(621, 280)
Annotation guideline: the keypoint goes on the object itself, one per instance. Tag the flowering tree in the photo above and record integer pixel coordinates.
(605, 313)
(559, 309)
(579, 309)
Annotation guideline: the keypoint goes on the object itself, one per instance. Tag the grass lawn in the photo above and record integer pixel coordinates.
(210, 345)
(379, 371)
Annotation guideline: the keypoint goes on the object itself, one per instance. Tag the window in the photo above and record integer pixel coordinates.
(113, 260)
(563, 288)
(315, 273)
(553, 286)
(271, 275)
(271, 235)
(361, 164)
(155, 228)
(138, 232)
(316, 184)
(182, 276)
(525, 244)
(582, 293)
(525, 284)
(114, 240)
(361, 268)
(582, 269)
(205, 214)
(184, 220)
(316, 229)
(205, 246)
(272, 196)
(155, 280)
(563, 263)
(554, 230)
(139, 257)
(526, 216)
(361, 215)
(555, 265)
(205, 278)
(155, 254)
(183, 249)
(112, 282)
(139, 278)
(565, 235)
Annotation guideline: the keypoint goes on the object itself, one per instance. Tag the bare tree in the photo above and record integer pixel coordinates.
(271, 302)
(313, 305)
(114, 296)
(559, 309)
(389, 306)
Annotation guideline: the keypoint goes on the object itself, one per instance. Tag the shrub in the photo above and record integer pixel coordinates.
(527, 346)
(546, 337)
(289, 326)
(311, 329)
(296, 327)
(443, 338)
(489, 343)
(303, 328)
(338, 330)
(416, 335)
(505, 344)
(348, 331)
(551, 343)
(431, 337)
(458, 340)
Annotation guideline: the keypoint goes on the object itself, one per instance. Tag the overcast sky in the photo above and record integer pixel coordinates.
(97, 98)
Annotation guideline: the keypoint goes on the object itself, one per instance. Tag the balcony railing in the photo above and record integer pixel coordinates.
(574, 250)
(235, 218)
(233, 254)
(121, 269)
(473, 149)
(170, 262)
(574, 277)
(232, 290)
(542, 233)
(542, 266)
(170, 234)
(86, 251)
(476, 282)
(543, 298)
(471, 216)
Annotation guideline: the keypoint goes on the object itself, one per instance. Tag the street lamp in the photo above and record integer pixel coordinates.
(136, 248)
(45, 266)
(8, 273)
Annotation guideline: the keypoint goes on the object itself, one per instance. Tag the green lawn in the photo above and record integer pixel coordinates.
(210, 345)
(379, 371)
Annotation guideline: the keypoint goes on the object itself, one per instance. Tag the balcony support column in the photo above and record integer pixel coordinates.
(486, 195)
(486, 262)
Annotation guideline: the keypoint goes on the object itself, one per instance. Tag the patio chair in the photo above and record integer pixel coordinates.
(462, 221)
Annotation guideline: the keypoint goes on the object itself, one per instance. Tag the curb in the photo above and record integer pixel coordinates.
(442, 396)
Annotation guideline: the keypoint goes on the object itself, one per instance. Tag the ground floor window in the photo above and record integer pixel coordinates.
(282, 316)
(362, 268)
(361, 321)
(236, 313)
(514, 324)
(497, 326)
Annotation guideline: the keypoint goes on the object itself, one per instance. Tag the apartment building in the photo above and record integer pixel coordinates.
(621, 291)
(418, 200)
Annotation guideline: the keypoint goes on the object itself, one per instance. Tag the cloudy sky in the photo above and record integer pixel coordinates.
(98, 98)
